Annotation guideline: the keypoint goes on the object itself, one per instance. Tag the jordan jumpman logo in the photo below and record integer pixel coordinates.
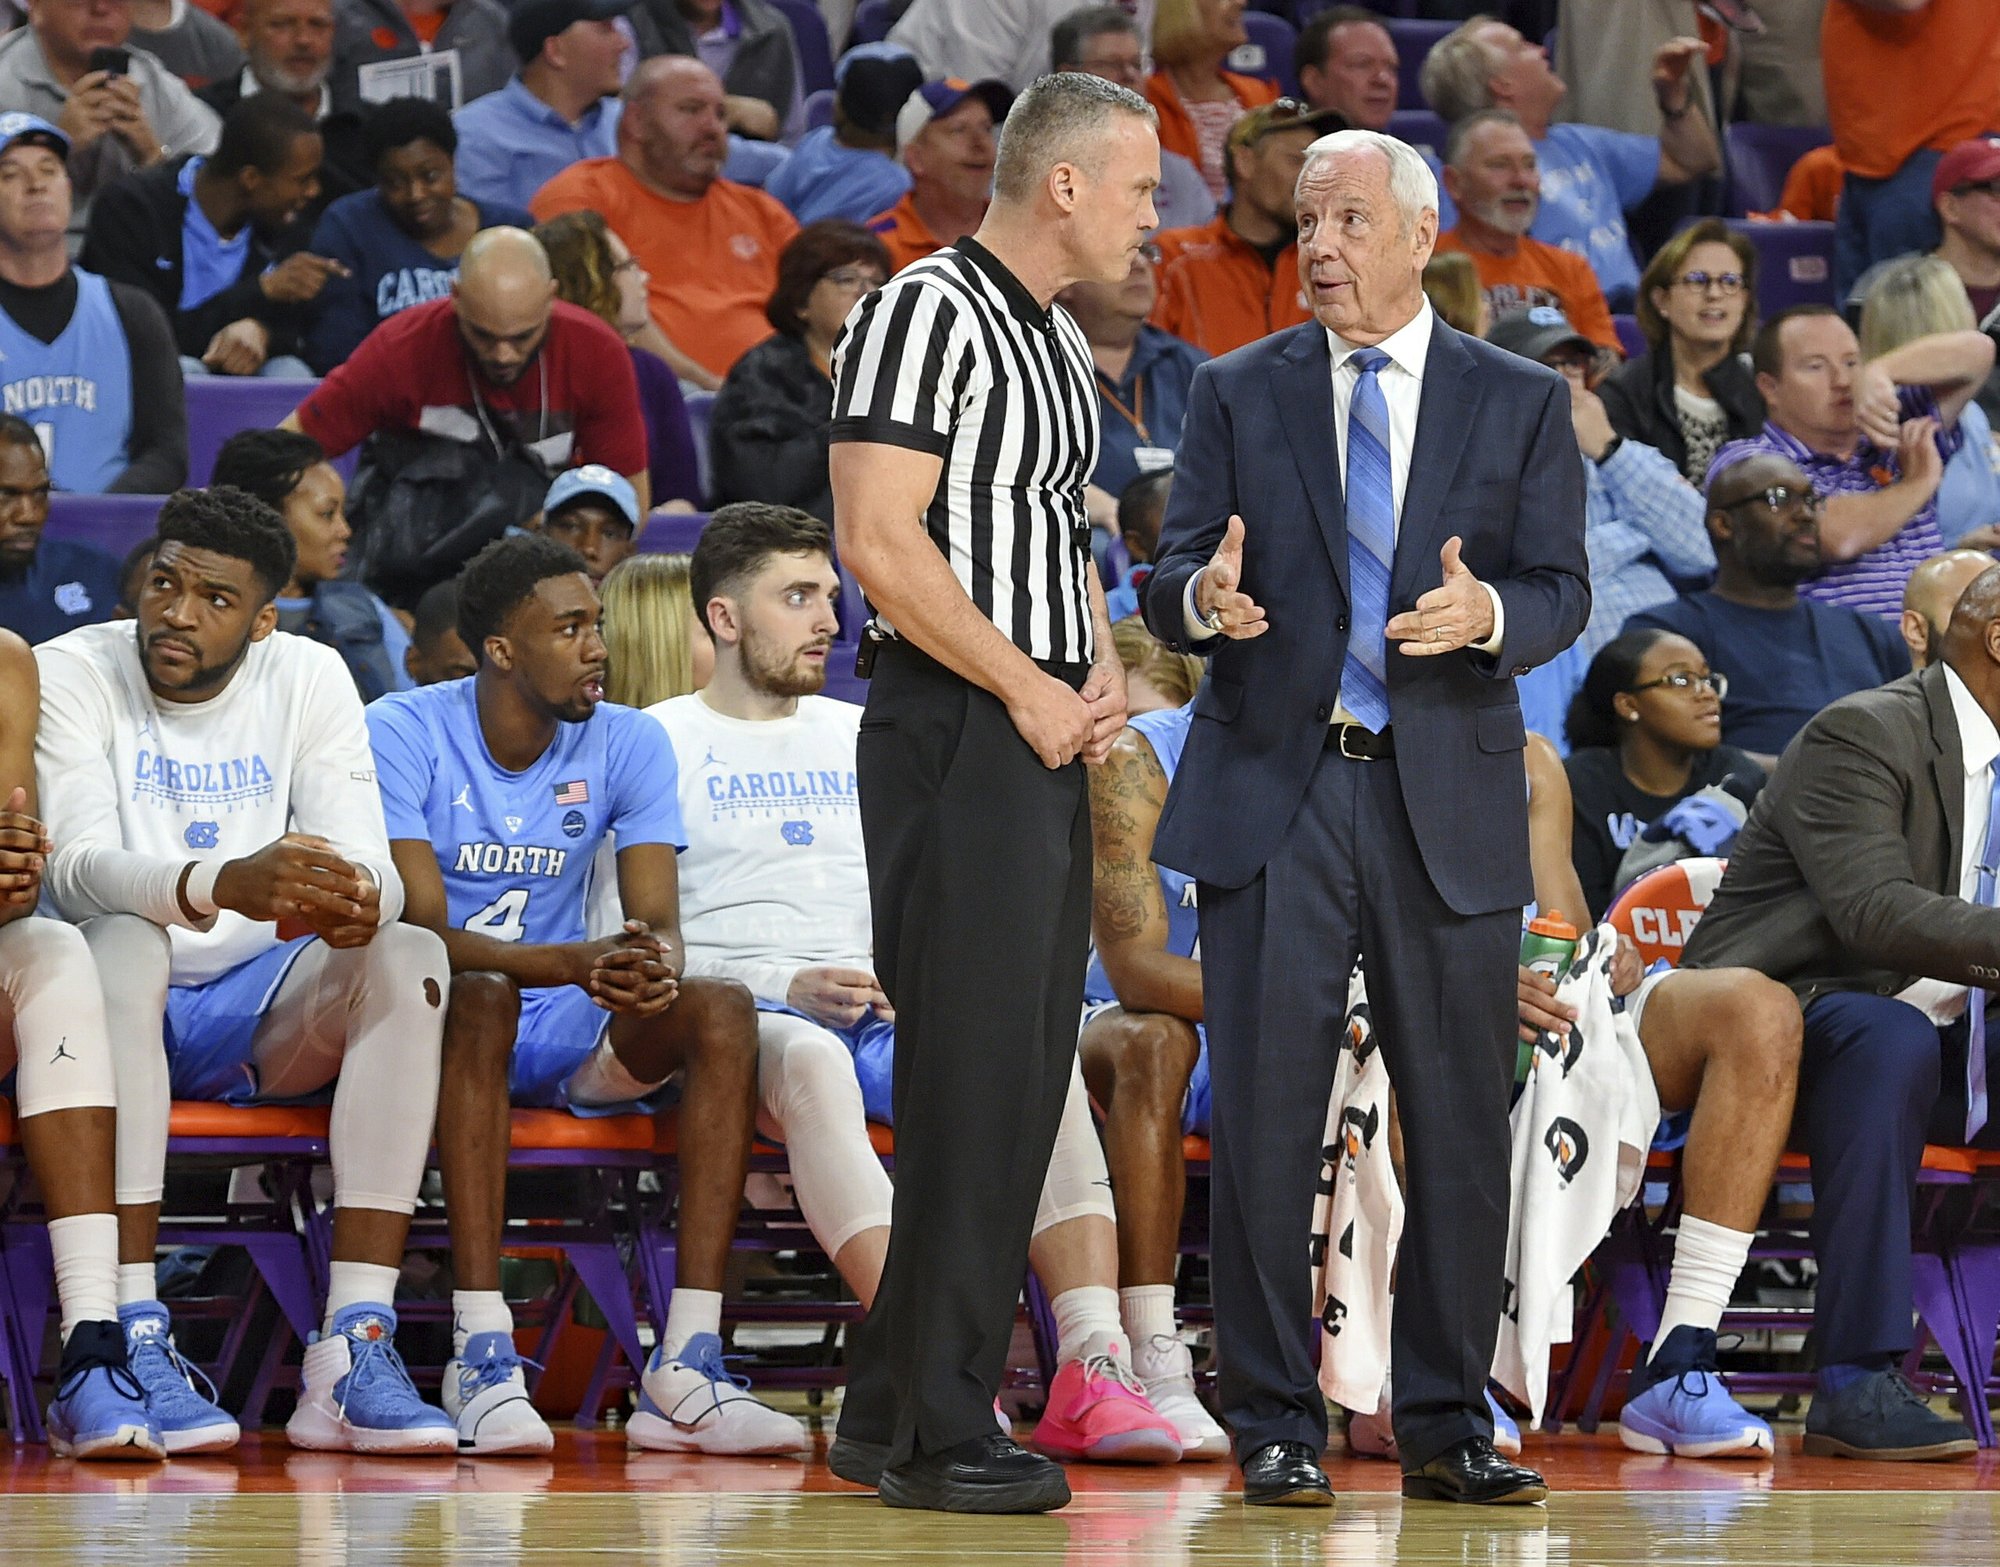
(62, 1051)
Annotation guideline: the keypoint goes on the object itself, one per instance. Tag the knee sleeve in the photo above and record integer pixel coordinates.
(134, 959)
(385, 1103)
(60, 1041)
(1079, 1181)
(809, 1099)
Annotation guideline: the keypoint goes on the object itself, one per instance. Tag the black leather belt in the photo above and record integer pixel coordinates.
(1361, 745)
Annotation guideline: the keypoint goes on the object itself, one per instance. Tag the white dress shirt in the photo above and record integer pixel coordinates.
(1979, 745)
(1402, 383)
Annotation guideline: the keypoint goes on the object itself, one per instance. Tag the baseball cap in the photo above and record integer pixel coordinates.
(593, 481)
(1969, 163)
(934, 100)
(872, 86)
(1284, 114)
(532, 23)
(1537, 333)
(33, 129)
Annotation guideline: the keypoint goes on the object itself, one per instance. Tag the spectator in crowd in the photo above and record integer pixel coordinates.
(1590, 176)
(1143, 376)
(560, 108)
(848, 169)
(1933, 593)
(1104, 40)
(469, 405)
(185, 39)
(437, 652)
(47, 586)
(398, 245)
(1491, 175)
(1142, 506)
(1867, 438)
(1346, 61)
(709, 244)
(1811, 192)
(1905, 81)
(1156, 677)
(1451, 284)
(1860, 876)
(1236, 279)
(768, 436)
(132, 577)
(948, 132)
(92, 362)
(656, 645)
(1965, 194)
(288, 48)
(1197, 100)
(116, 121)
(1606, 55)
(748, 44)
(1642, 520)
(1921, 296)
(1692, 391)
(594, 269)
(596, 513)
(212, 239)
(290, 474)
(1781, 80)
(1785, 657)
(369, 32)
(1644, 732)
(974, 40)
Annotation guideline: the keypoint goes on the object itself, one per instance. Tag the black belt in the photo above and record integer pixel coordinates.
(1361, 745)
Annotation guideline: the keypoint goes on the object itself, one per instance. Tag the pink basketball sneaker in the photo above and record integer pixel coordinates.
(1098, 1410)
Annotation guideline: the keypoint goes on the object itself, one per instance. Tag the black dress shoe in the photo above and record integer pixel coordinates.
(989, 1474)
(857, 1462)
(1473, 1472)
(1285, 1474)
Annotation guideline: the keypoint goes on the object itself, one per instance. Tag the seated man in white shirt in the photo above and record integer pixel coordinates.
(209, 788)
(775, 894)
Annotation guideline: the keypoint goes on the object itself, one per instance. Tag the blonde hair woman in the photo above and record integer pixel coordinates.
(657, 646)
(1451, 283)
(1197, 100)
(1921, 296)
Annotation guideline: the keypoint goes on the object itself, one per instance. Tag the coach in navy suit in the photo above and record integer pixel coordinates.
(1376, 523)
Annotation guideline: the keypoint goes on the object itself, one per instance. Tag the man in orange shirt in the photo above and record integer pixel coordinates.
(1905, 81)
(948, 135)
(1491, 174)
(710, 245)
(1236, 279)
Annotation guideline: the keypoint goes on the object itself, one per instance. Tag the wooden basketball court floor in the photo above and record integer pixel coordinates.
(592, 1502)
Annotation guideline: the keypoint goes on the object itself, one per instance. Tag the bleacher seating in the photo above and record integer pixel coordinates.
(814, 46)
(113, 523)
(1269, 51)
(1421, 129)
(1413, 41)
(819, 109)
(871, 21)
(1794, 263)
(1630, 338)
(220, 405)
(1758, 159)
(700, 411)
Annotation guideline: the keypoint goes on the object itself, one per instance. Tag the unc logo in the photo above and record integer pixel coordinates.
(73, 598)
(202, 835)
(572, 824)
(797, 834)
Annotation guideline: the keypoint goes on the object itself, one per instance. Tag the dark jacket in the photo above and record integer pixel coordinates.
(768, 435)
(766, 63)
(343, 167)
(477, 29)
(1846, 876)
(1639, 398)
(134, 236)
(347, 618)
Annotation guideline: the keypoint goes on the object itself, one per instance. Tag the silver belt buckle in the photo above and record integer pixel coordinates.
(1352, 756)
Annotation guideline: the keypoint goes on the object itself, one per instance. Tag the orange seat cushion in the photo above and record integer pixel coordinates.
(197, 1118)
(558, 1129)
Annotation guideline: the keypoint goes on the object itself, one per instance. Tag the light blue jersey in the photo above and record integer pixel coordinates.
(76, 391)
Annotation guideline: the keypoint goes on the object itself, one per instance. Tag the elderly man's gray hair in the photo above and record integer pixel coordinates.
(1411, 183)
(1061, 118)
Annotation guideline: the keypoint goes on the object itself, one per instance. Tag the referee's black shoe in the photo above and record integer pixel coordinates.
(857, 1462)
(989, 1474)
(1285, 1474)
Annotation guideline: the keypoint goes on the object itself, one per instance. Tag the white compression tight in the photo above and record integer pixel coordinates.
(371, 1016)
(809, 1099)
(58, 1035)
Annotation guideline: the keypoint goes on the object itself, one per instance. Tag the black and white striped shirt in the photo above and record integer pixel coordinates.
(955, 358)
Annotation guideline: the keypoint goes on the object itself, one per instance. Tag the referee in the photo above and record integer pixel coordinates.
(964, 430)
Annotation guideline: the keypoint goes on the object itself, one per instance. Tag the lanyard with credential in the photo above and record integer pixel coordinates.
(1135, 416)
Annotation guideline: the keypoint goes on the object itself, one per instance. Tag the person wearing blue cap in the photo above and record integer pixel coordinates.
(89, 363)
(595, 511)
(949, 134)
(848, 169)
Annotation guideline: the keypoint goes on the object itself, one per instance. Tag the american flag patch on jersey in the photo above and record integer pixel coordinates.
(576, 792)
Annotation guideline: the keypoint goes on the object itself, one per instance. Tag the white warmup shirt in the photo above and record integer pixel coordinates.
(773, 879)
(134, 789)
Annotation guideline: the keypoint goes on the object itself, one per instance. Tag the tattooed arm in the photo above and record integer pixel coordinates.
(1128, 914)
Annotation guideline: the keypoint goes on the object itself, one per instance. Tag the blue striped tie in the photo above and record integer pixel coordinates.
(1371, 545)
(1975, 1043)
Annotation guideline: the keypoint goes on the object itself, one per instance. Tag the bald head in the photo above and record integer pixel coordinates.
(1931, 597)
(674, 134)
(1760, 547)
(504, 296)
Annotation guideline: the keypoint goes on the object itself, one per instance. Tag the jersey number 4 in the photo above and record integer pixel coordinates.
(505, 918)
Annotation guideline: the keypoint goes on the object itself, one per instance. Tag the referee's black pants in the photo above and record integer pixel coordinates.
(979, 873)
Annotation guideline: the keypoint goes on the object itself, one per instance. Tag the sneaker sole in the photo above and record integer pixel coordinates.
(527, 1445)
(1758, 1446)
(1041, 1495)
(659, 1435)
(1818, 1445)
(203, 1439)
(319, 1433)
(1304, 1496)
(856, 1462)
(127, 1444)
(1204, 1449)
(1121, 1447)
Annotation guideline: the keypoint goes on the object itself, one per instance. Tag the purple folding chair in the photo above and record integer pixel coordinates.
(1794, 263)
(672, 532)
(220, 405)
(112, 523)
(819, 109)
(1269, 52)
(871, 22)
(1760, 157)
(1414, 39)
(701, 411)
(1422, 129)
(1630, 338)
(815, 47)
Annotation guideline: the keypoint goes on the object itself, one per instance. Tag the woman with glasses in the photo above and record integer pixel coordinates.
(1196, 99)
(1692, 391)
(1645, 732)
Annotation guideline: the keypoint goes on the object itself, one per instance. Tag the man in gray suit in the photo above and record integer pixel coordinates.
(1376, 523)
(1864, 880)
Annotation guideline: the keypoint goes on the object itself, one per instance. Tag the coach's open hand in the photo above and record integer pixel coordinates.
(1455, 614)
(1218, 600)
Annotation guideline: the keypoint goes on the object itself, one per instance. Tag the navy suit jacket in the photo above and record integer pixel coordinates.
(1496, 463)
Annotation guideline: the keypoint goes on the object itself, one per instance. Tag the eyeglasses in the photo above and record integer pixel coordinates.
(1727, 284)
(1686, 680)
(861, 280)
(1782, 497)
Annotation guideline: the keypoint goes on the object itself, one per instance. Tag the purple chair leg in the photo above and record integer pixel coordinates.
(27, 1276)
(1042, 1323)
(603, 1273)
(1975, 1279)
